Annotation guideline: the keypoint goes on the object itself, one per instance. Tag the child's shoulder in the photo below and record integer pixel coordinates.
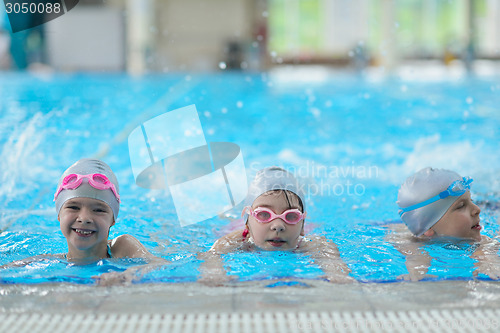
(127, 246)
(228, 242)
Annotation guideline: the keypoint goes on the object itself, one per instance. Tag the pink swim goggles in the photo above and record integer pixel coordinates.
(96, 180)
(265, 215)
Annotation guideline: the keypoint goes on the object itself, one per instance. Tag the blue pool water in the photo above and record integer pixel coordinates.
(353, 140)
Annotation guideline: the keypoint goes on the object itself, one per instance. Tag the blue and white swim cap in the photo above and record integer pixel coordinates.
(421, 186)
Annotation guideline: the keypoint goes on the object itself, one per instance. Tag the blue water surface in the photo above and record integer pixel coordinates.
(353, 141)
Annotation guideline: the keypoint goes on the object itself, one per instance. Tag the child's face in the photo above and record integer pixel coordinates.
(460, 220)
(276, 234)
(85, 223)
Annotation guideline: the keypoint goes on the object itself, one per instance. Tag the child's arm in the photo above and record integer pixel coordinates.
(327, 256)
(212, 268)
(27, 261)
(418, 259)
(488, 261)
(127, 246)
(417, 262)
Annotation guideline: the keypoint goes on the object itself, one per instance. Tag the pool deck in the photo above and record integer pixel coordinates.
(248, 297)
(451, 306)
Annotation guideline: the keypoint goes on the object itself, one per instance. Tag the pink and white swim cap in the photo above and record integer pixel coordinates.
(87, 166)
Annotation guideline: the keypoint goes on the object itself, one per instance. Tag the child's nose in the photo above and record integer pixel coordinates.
(278, 225)
(475, 209)
(85, 215)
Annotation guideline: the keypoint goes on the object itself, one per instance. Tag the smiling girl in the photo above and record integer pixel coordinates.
(87, 204)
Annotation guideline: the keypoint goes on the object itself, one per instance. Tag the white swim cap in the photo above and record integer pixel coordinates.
(274, 178)
(422, 186)
(87, 166)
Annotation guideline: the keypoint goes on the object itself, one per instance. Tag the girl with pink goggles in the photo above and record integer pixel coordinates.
(96, 180)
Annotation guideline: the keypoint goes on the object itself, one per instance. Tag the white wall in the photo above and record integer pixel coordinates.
(346, 23)
(87, 38)
(192, 34)
(489, 28)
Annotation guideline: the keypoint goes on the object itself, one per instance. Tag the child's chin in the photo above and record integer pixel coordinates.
(268, 247)
(477, 238)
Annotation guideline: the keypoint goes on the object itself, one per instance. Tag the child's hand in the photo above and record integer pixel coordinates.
(116, 279)
(131, 274)
(416, 276)
(488, 261)
(216, 278)
(491, 269)
(339, 278)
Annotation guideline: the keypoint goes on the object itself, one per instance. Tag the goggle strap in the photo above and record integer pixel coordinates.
(446, 193)
(420, 204)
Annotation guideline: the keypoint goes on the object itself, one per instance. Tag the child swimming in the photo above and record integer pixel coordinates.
(87, 202)
(436, 204)
(274, 220)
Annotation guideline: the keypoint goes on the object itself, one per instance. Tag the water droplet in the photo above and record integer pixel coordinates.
(315, 112)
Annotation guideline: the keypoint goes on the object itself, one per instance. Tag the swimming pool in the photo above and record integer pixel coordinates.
(353, 139)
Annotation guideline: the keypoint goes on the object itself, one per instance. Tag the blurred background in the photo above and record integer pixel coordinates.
(148, 36)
